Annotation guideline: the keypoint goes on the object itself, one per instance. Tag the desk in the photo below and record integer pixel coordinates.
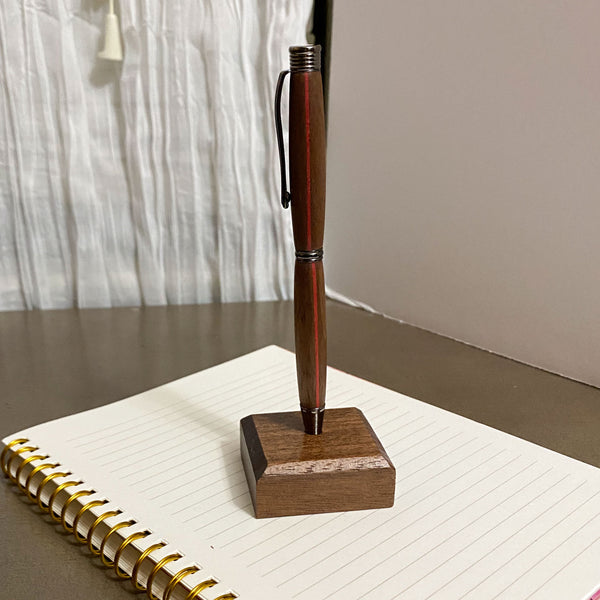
(58, 362)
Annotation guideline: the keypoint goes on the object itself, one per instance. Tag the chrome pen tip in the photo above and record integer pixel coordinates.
(313, 420)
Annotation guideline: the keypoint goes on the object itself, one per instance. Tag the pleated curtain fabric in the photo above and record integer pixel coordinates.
(152, 181)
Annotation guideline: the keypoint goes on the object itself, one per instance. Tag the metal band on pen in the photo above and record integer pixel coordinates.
(309, 255)
(313, 411)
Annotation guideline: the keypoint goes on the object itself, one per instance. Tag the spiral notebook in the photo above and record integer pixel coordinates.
(155, 487)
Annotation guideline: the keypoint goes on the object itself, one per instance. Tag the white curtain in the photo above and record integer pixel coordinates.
(153, 181)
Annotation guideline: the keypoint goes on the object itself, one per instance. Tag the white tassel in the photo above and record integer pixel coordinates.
(113, 50)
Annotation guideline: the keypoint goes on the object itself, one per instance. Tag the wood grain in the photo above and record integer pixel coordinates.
(310, 333)
(307, 189)
(307, 150)
(291, 473)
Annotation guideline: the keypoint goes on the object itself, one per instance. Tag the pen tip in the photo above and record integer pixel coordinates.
(313, 422)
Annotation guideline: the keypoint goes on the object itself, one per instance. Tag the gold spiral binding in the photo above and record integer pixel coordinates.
(134, 536)
(138, 564)
(200, 587)
(15, 454)
(22, 466)
(176, 579)
(81, 538)
(55, 493)
(36, 496)
(92, 529)
(157, 567)
(105, 561)
(45, 481)
(30, 494)
(5, 452)
(65, 508)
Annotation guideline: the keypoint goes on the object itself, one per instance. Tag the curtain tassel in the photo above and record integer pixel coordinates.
(113, 50)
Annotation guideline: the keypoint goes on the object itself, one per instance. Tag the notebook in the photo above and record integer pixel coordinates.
(155, 485)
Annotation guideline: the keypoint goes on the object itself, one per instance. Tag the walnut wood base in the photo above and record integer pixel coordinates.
(292, 473)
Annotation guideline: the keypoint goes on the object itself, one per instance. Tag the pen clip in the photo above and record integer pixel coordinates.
(285, 195)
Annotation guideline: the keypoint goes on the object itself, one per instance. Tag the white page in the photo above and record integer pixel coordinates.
(478, 513)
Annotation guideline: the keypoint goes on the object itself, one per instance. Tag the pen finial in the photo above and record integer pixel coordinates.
(305, 58)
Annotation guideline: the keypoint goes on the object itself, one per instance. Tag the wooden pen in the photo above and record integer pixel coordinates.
(307, 200)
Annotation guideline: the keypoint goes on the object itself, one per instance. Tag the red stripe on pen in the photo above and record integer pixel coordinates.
(316, 319)
(307, 129)
(309, 238)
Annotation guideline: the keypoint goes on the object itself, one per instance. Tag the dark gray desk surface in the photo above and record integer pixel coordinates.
(59, 362)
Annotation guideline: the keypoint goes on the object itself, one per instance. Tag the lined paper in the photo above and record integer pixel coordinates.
(477, 513)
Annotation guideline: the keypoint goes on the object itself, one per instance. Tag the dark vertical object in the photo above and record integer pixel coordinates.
(322, 20)
(307, 198)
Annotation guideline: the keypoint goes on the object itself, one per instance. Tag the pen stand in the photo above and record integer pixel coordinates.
(292, 473)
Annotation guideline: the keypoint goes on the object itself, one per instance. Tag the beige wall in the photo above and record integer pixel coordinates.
(464, 172)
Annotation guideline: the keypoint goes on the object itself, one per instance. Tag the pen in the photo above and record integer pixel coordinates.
(307, 200)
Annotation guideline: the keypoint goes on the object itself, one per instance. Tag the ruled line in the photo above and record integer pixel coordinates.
(229, 514)
(317, 526)
(267, 402)
(204, 475)
(557, 546)
(512, 514)
(573, 559)
(232, 408)
(413, 521)
(517, 532)
(189, 455)
(461, 511)
(396, 514)
(191, 411)
(124, 424)
(189, 450)
(482, 535)
(398, 480)
(191, 459)
(172, 488)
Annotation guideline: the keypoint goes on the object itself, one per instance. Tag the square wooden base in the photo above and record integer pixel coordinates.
(292, 473)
